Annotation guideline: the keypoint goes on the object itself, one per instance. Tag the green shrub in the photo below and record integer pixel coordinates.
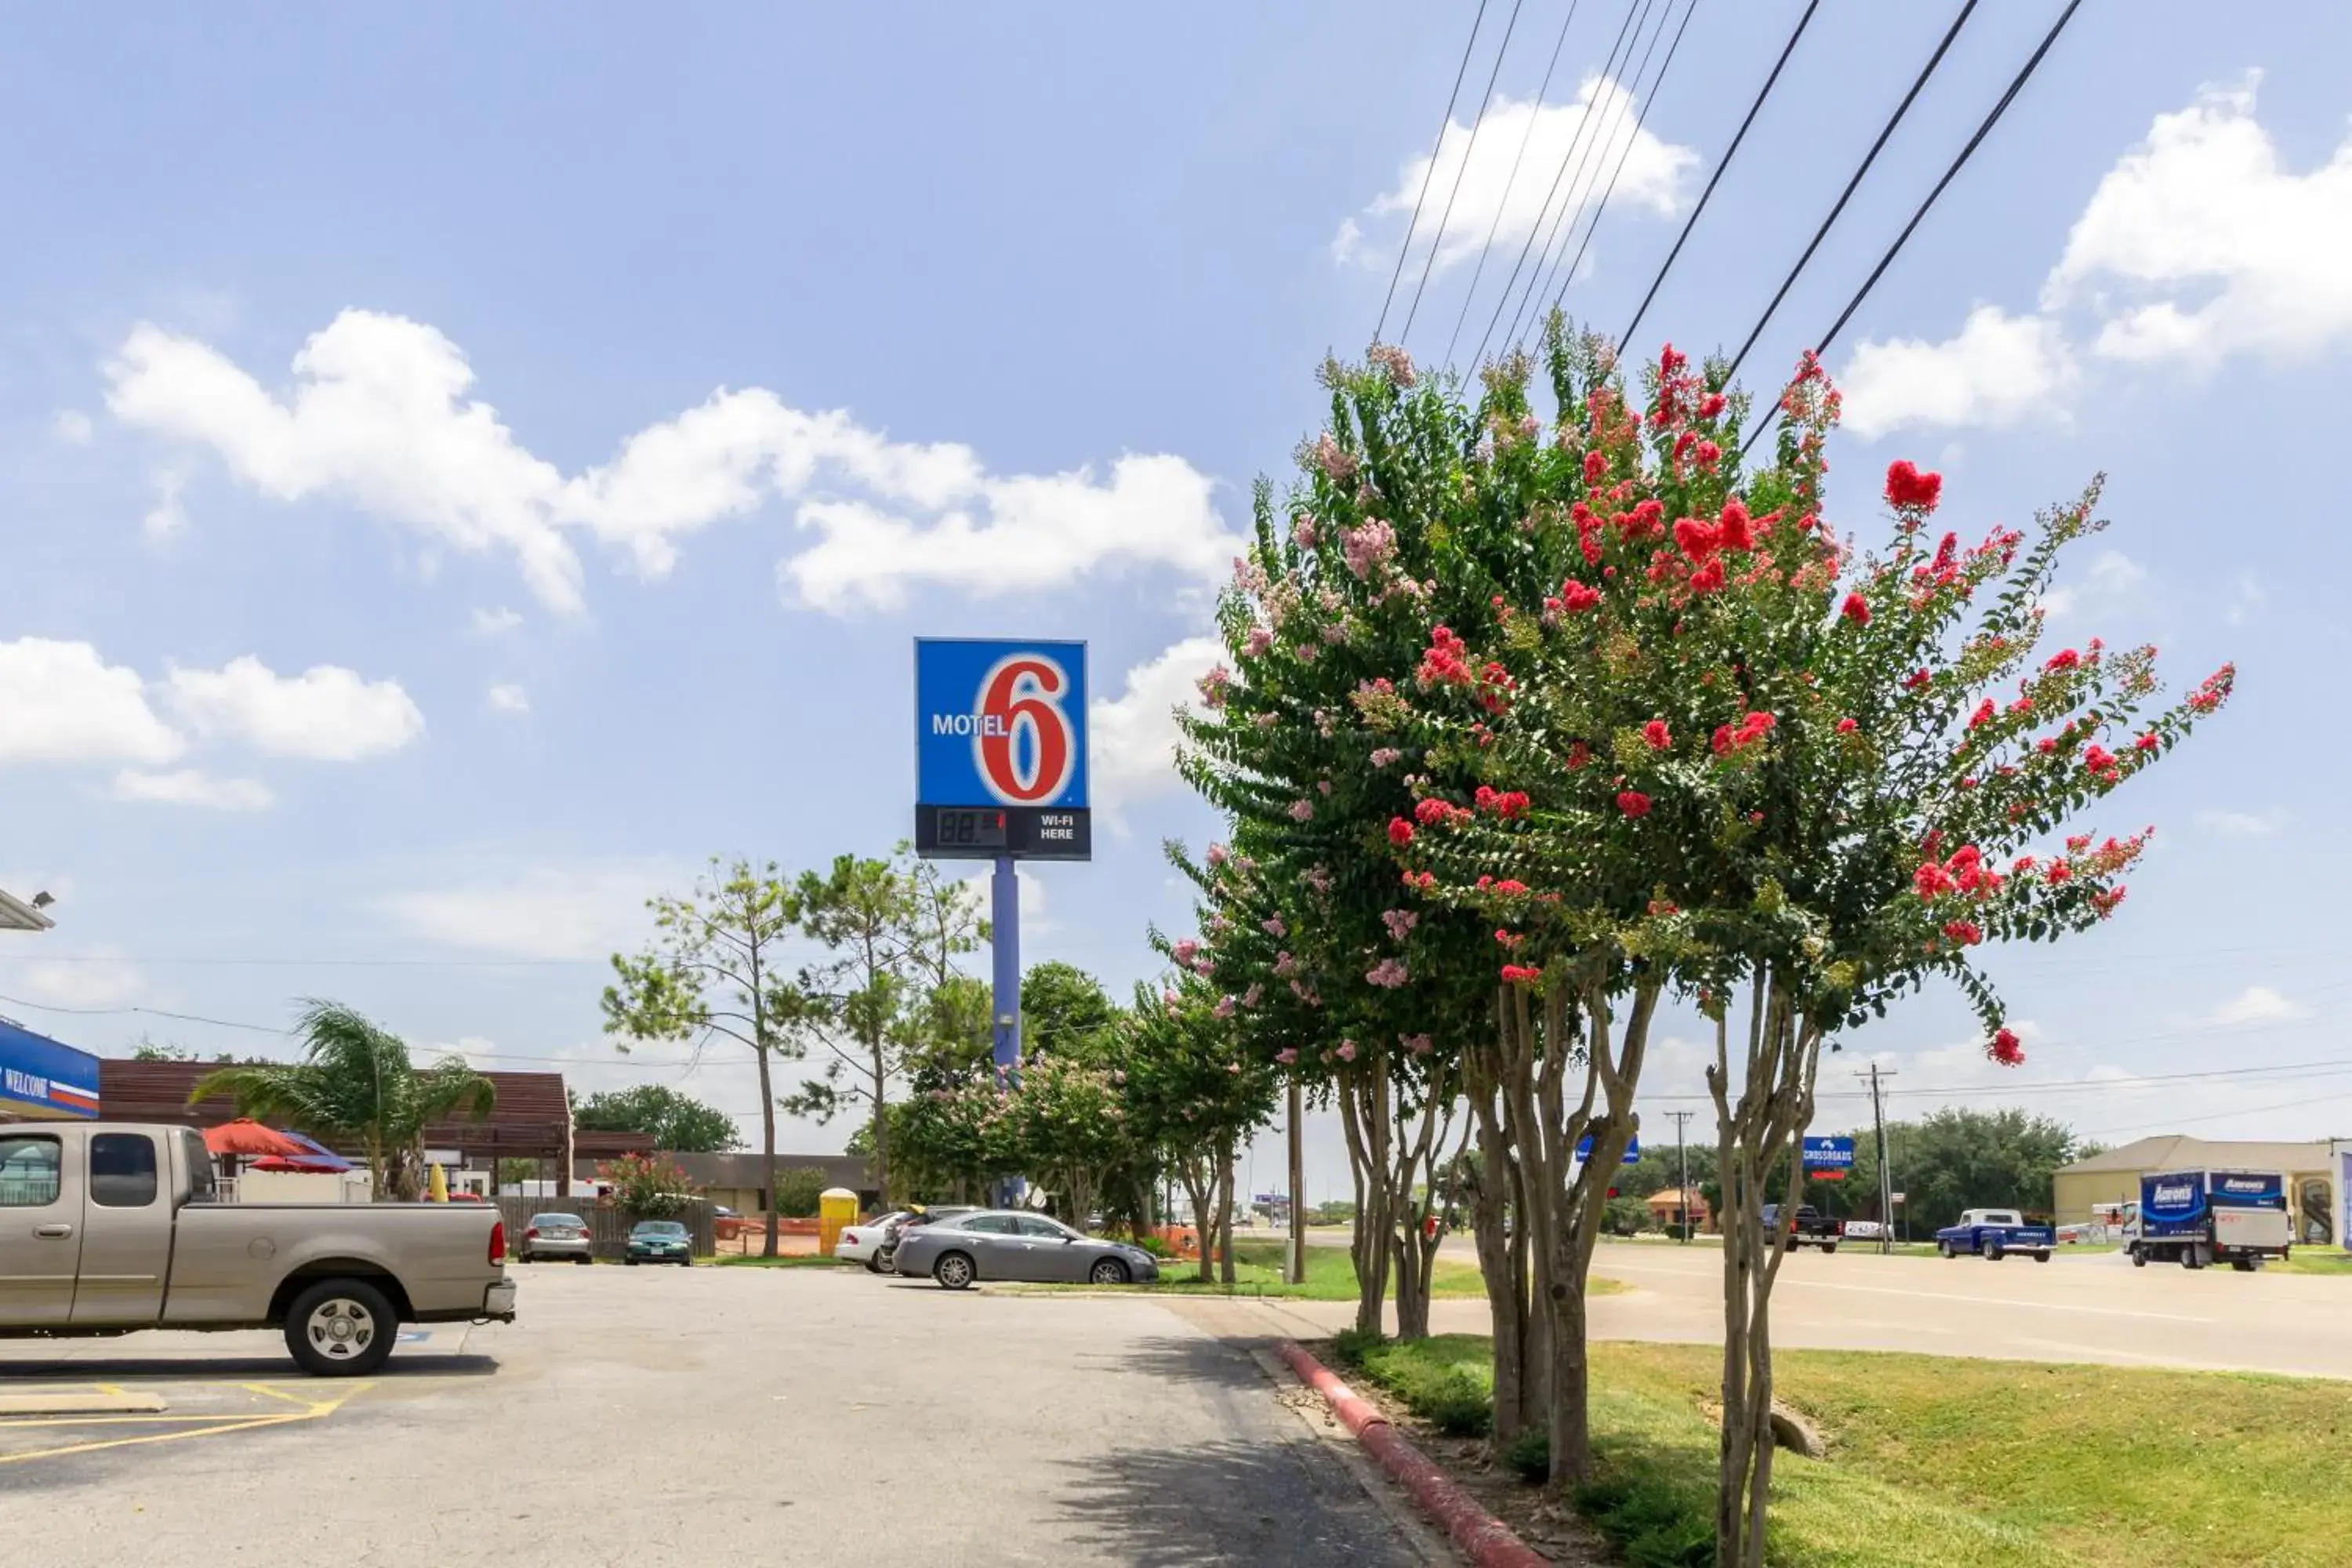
(1353, 1347)
(797, 1192)
(1529, 1455)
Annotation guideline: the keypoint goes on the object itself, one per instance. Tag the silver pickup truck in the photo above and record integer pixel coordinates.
(106, 1229)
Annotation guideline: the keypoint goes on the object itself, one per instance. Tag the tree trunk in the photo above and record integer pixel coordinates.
(1502, 1256)
(1363, 1117)
(881, 1126)
(1198, 1185)
(768, 1148)
(1765, 1125)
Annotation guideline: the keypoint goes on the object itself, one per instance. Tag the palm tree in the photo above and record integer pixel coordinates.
(356, 1084)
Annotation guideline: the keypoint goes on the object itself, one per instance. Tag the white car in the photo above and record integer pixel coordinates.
(862, 1242)
(1864, 1230)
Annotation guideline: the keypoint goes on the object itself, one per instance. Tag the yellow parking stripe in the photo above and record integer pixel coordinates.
(312, 1410)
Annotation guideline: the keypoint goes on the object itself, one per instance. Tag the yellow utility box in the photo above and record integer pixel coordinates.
(836, 1208)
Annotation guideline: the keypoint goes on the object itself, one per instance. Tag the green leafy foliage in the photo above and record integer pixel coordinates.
(677, 1123)
(798, 1192)
(356, 1084)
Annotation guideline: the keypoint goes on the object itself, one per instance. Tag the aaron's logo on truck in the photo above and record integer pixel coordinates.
(2175, 1194)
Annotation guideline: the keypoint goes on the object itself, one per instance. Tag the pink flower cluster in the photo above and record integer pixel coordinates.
(1388, 975)
(1505, 803)
(1965, 872)
(1369, 547)
(1521, 975)
(1752, 729)
(1444, 663)
(1400, 923)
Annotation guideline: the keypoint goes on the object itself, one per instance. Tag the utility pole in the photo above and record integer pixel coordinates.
(1682, 1164)
(1885, 1178)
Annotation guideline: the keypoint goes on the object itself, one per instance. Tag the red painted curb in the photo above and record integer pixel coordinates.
(1487, 1540)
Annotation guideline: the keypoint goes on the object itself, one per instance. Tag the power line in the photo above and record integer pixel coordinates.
(1462, 174)
(1579, 187)
(1886, 130)
(1641, 115)
(1583, 125)
(1721, 164)
(2016, 86)
(1535, 115)
(1443, 126)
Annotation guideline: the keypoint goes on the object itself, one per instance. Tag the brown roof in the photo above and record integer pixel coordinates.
(529, 1119)
(2173, 1152)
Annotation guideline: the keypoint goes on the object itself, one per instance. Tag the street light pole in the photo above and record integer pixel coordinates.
(1682, 1164)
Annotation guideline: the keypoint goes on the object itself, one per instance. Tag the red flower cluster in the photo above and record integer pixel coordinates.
(1520, 974)
(1855, 609)
(1444, 663)
(1578, 755)
(1433, 811)
(2102, 763)
(1968, 933)
(2214, 689)
(1752, 729)
(1845, 726)
(1916, 681)
(1575, 598)
(2005, 1049)
(1510, 887)
(1965, 872)
(1596, 467)
(1399, 832)
(1908, 490)
(1506, 804)
(2064, 659)
(1633, 803)
(1656, 734)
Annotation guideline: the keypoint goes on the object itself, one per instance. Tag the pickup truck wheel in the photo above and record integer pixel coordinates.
(341, 1328)
(1993, 1248)
(2042, 1256)
(1946, 1249)
(1828, 1247)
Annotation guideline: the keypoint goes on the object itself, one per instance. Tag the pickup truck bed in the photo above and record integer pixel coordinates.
(109, 1228)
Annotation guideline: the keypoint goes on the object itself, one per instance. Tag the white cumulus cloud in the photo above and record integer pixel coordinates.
(327, 713)
(507, 697)
(2256, 1004)
(492, 623)
(1591, 132)
(585, 912)
(378, 418)
(60, 702)
(104, 978)
(189, 787)
(1134, 734)
(72, 426)
(2200, 242)
(1999, 371)
(2242, 824)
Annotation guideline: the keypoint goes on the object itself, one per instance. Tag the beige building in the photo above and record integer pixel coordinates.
(2114, 1177)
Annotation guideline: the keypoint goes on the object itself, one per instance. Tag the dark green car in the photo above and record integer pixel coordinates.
(660, 1241)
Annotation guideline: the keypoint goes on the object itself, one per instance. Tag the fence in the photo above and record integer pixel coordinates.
(608, 1227)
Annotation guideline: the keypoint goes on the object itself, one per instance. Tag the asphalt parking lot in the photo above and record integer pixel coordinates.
(695, 1416)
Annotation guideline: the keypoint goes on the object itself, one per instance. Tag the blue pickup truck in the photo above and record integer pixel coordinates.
(1995, 1234)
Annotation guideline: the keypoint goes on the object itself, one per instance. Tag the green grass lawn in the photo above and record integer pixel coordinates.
(2311, 1260)
(1330, 1276)
(1946, 1463)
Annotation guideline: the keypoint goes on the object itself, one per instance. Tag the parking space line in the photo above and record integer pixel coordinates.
(199, 1427)
(274, 1393)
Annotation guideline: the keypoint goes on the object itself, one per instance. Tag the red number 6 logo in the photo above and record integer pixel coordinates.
(1024, 747)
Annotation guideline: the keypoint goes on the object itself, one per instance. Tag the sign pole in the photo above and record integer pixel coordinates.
(1004, 917)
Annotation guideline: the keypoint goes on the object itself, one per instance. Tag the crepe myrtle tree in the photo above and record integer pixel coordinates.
(1196, 1090)
(1847, 783)
(1324, 991)
(1394, 522)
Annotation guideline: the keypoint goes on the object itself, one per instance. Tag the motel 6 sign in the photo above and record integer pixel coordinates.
(1001, 750)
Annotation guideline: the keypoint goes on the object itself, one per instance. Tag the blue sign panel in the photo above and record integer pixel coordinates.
(1829, 1153)
(2243, 1190)
(2172, 1199)
(40, 1078)
(1632, 1150)
(1001, 749)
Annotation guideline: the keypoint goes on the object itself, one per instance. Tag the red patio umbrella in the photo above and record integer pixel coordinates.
(247, 1136)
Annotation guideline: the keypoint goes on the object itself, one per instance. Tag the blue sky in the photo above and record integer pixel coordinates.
(464, 468)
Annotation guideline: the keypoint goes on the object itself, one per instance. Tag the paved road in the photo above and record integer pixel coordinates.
(2083, 1307)
(696, 1418)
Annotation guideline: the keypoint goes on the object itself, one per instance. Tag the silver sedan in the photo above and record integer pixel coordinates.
(1006, 1244)
(549, 1235)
